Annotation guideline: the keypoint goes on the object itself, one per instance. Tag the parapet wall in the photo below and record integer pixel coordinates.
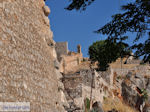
(69, 62)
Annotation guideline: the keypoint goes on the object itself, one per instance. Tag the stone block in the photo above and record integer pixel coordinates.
(46, 10)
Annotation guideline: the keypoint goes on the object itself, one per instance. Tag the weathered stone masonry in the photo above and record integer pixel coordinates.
(68, 60)
(27, 72)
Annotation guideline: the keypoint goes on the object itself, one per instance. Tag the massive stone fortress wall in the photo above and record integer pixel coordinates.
(27, 72)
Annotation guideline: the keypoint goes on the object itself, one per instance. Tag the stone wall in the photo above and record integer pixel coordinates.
(61, 49)
(123, 71)
(140, 69)
(69, 62)
(107, 75)
(27, 72)
(78, 87)
(136, 91)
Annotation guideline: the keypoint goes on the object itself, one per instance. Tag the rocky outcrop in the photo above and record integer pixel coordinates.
(97, 107)
(135, 91)
(85, 84)
(147, 105)
(27, 72)
(113, 110)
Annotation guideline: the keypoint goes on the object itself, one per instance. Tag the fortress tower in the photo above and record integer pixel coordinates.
(79, 48)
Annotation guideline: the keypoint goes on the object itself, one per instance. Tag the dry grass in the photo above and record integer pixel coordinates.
(110, 104)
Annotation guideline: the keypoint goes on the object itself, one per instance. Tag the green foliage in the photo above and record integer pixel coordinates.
(79, 4)
(93, 110)
(120, 77)
(144, 94)
(84, 60)
(104, 98)
(135, 18)
(87, 104)
(106, 51)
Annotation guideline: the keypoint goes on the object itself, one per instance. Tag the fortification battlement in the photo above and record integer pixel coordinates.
(68, 59)
(62, 49)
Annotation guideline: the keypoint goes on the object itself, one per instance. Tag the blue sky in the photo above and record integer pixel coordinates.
(77, 27)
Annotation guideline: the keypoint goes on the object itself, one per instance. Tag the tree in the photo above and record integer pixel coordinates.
(79, 4)
(106, 51)
(135, 18)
